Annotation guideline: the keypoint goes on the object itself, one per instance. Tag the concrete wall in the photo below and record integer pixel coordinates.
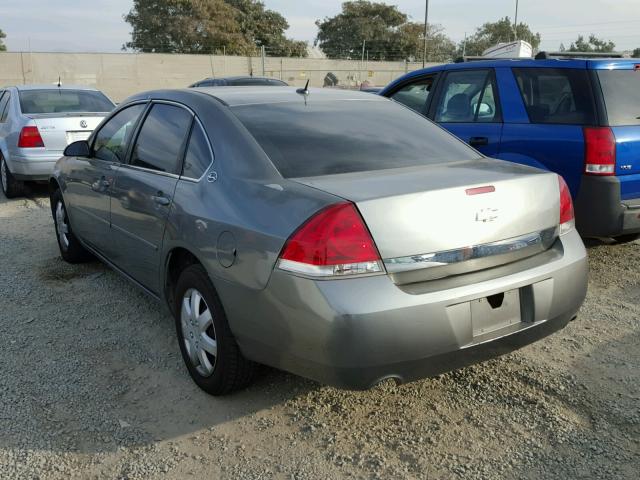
(122, 74)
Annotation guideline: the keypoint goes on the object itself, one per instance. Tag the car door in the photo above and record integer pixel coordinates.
(467, 105)
(89, 180)
(548, 109)
(143, 190)
(415, 94)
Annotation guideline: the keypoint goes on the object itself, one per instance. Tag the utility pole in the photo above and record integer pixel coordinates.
(515, 23)
(364, 42)
(426, 27)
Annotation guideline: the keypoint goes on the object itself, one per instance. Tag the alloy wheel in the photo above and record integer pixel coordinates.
(198, 332)
(3, 175)
(62, 227)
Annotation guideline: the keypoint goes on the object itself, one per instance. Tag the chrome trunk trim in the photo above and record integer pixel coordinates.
(477, 257)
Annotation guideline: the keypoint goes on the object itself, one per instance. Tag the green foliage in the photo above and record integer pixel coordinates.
(266, 28)
(3, 47)
(492, 33)
(386, 31)
(636, 53)
(593, 44)
(242, 27)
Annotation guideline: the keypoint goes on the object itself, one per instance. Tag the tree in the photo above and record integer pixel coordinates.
(206, 26)
(3, 47)
(492, 33)
(386, 32)
(594, 44)
(440, 48)
(636, 53)
(266, 28)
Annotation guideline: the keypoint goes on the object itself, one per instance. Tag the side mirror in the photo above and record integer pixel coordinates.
(78, 149)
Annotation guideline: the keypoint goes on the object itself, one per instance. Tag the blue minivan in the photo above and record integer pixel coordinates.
(579, 118)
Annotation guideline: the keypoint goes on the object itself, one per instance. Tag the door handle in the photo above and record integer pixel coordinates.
(478, 141)
(160, 199)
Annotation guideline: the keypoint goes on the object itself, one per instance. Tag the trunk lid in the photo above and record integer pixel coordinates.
(57, 131)
(419, 211)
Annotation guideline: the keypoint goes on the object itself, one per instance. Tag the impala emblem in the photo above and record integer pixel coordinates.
(487, 215)
(83, 123)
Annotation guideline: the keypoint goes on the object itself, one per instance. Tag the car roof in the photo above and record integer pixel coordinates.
(603, 63)
(51, 86)
(240, 77)
(262, 95)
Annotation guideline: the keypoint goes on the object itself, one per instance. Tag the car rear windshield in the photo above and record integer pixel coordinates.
(557, 95)
(63, 101)
(621, 92)
(331, 137)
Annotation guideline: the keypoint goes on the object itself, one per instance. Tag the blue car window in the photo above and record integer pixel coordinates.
(414, 95)
(556, 95)
(468, 96)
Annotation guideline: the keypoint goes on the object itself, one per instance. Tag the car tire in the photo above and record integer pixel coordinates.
(208, 347)
(628, 238)
(10, 186)
(70, 247)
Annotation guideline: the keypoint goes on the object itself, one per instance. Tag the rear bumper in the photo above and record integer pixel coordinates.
(32, 167)
(354, 333)
(600, 212)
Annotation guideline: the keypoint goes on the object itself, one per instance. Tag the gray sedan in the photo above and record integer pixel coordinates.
(37, 122)
(334, 234)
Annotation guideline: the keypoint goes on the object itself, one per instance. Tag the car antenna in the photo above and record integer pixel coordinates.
(304, 91)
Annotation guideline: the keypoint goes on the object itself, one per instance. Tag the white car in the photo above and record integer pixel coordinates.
(37, 122)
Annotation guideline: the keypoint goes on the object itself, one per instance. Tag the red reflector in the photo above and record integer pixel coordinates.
(336, 235)
(636, 66)
(30, 138)
(566, 204)
(599, 151)
(479, 190)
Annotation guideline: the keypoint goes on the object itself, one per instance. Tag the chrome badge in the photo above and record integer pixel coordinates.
(83, 123)
(487, 215)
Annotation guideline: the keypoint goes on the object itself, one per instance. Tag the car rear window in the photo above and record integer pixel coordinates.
(63, 101)
(331, 137)
(621, 92)
(556, 95)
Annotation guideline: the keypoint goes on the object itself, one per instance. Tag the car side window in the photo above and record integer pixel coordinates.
(111, 141)
(161, 138)
(468, 96)
(198, 156)
(4, 106)
(556, 95)
(414, 95)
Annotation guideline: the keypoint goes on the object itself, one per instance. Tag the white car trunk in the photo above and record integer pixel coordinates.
(59, 131)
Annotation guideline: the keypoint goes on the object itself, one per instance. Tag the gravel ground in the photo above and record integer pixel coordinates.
(92, 386)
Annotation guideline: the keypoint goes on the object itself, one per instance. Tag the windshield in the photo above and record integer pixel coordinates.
(621, 91)
(63, 101)
(324, 138)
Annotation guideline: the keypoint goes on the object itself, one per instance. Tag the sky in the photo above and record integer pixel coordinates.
(72, 26)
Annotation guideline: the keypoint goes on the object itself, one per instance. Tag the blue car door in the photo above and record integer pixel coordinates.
(467, 105)
(543, 125)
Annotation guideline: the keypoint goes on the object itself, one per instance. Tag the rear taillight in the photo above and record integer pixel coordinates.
(30, 138)
(567, 221)
(335, 242)
(600, 151)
